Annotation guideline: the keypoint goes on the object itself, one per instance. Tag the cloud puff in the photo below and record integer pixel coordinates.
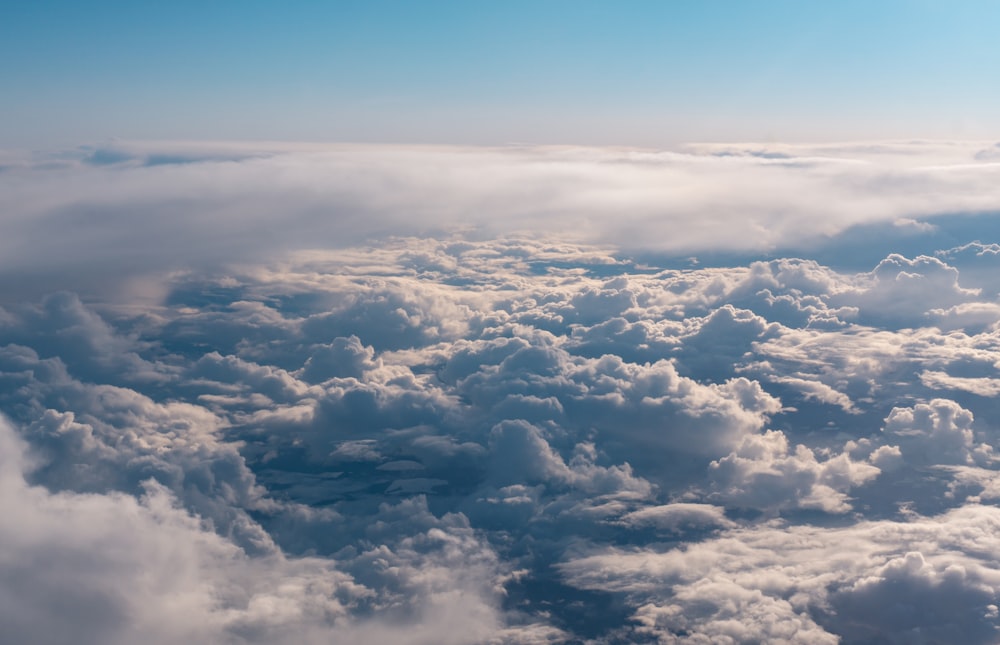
(764, 473)
(938, 432)
(674, 518)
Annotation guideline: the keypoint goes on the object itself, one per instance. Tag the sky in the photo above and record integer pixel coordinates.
(583, 72)
(499, 323)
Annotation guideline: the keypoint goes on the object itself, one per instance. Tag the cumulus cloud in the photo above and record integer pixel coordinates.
(925, 580)
(114, 568)
(938, 432)
(766, 474)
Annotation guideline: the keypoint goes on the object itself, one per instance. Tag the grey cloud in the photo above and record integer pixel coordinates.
(920, 603)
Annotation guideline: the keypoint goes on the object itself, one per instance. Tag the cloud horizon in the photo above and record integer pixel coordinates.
(148, 208)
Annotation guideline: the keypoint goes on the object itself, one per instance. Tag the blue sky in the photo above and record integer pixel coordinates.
(638, 73)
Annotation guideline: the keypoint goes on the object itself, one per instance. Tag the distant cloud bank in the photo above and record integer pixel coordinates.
(139, 208)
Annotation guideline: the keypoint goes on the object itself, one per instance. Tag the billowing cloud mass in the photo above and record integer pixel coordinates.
(729, 394)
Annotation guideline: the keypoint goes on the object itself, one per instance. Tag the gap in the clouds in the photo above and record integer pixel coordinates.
(201, 295)
(116, 154)
(803, 417)
(588, 614)
(861, 247)
(858, 248)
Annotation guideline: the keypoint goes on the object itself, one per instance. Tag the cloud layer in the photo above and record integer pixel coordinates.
(101, 210)
(278, 433)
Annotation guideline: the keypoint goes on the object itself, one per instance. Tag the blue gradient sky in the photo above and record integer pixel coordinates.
(638, 73)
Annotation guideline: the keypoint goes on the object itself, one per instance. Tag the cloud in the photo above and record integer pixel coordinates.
(113, 568)
(765, 474)
(227, 203)
(674, 518)
(938, 432)
(897, 290)
(475, 435)
(925, 580)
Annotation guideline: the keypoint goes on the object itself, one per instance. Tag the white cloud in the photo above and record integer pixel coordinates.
(237, 204)
(765, 473)
(932, 579)
(983, 386)
(675, 518)
(116, 569)
(938, 432)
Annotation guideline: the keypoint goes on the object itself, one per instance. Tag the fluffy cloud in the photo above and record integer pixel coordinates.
(765, 474)
(920, 581)
(938, 432)
(113, 568)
